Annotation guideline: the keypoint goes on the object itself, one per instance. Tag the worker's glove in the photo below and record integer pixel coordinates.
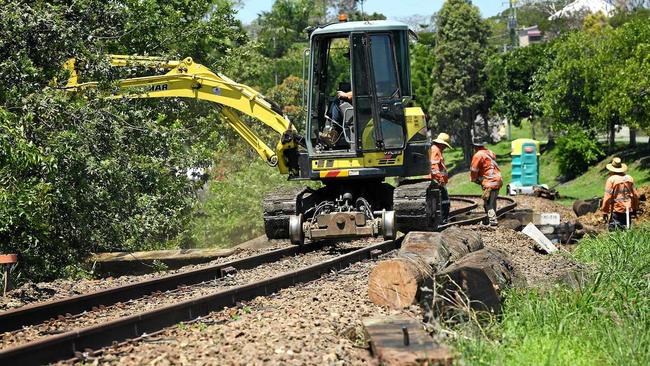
(341, 95)
(486, 194)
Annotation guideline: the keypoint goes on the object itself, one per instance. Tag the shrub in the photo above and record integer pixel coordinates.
(577, 150)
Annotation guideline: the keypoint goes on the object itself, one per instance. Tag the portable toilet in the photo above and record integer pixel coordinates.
(525, 166)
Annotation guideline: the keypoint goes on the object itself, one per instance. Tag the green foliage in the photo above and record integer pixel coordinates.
(229, 212)
(85, 174)
(461, 42)
(569, 88)
(577, 151)
(289, 95)
(422, 61)
(285, 23)
(604, 321)
(598, 78)
(624, 69)
(511, 77)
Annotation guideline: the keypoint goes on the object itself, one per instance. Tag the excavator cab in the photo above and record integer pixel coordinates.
(370, 60)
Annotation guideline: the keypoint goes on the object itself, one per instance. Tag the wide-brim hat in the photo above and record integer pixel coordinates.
(443, 139)
(617, 166)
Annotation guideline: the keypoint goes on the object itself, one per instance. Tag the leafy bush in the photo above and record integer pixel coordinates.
(577, 150)
(84, 174)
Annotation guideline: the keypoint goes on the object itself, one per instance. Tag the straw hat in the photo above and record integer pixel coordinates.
(443, 139)
(617, 166)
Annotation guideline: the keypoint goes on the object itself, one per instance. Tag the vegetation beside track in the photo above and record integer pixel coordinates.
(605, 321)
(229, 211)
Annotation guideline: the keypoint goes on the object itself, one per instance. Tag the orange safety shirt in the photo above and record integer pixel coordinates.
(485, 168)
(620, 195)
(438, 168)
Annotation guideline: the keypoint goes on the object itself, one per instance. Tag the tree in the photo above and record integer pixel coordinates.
(624, 68)
(510, 80)
(87, 174)
(461, 41)
(422, 63)
(284, 25)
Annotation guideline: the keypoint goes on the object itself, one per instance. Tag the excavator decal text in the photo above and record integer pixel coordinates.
(158, 87)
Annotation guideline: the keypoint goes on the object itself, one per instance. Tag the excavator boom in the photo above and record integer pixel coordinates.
(187, 79)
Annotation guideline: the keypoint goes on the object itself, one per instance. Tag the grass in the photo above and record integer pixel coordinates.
(584, 187)
(588, 185)
(605, 322)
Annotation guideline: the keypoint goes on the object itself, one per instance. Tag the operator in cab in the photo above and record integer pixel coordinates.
(439, 175)
(335, 107)
(485, 172)
(621, 200)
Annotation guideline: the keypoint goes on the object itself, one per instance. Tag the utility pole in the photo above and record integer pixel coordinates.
(512, 25)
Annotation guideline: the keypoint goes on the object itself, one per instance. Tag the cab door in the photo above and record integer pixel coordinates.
(376, 92)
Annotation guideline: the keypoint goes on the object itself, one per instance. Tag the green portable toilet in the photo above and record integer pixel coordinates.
(525, 166)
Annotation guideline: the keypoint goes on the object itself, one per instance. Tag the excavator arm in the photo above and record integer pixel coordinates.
(187, 79)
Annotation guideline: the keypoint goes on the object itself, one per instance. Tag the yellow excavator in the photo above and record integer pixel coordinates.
(349, 144)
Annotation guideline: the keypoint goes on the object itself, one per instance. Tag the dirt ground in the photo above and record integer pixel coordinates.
(535, 268)
(541, 205)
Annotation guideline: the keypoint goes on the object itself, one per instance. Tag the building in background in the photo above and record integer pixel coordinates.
(529, 36)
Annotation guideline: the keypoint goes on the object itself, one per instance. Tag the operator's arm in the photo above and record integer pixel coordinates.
(347, 96)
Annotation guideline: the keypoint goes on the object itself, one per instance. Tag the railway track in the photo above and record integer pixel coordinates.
(71, 343)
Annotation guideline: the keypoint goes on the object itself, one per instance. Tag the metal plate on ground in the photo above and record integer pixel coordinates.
(400, 340)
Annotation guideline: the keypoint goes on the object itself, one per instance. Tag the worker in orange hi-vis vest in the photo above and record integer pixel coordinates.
(621, 200)
(439, 176)
(485, 172)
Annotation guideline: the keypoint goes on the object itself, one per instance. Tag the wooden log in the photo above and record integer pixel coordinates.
(460, 242)
(396, 283)
(400, 340)
(476, 280)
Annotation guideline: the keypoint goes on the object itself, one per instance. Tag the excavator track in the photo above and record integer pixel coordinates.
(278, 206)
(416, 206)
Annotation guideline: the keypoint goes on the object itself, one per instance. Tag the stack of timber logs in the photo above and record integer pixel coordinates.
(452, 264)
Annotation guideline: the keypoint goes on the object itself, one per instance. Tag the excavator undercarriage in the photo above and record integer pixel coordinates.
(364, 209)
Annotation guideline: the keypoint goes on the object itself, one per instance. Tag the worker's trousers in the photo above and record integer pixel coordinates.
(490, 204)
(445, 203)
(618, 221)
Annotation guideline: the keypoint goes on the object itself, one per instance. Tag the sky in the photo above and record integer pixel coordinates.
(393, 9)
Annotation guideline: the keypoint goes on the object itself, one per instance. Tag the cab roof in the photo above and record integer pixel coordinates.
(361, 26)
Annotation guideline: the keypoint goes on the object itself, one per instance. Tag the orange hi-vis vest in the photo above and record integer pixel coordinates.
(620, 195)
(484, 167)
(438, 169)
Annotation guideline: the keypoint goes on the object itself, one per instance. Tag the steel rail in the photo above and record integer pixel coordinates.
(38, 313)
(64, 346)
(462, 210)
(512, 204)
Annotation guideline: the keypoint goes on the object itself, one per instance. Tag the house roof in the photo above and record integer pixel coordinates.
(589, 6)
